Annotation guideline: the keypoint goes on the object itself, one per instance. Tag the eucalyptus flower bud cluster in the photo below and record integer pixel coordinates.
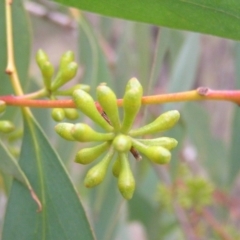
(119, 138)
(52, 82)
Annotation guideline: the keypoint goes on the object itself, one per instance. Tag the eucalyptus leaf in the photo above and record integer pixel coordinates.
(9, 165)
(105, 205)
(184, 68)
(220, 18)
(125, 57)
(91, 56)
(62, 215)
(234, 163)
(143, 210)
(142, 37)
(210, 151)
(161, 48)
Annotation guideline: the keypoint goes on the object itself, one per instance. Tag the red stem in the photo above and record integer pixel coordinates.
(201, 93)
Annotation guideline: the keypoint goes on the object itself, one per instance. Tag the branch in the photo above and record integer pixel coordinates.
(181, 215)
(199, 94)
(219, 228)
(202, 93)
(11, 67)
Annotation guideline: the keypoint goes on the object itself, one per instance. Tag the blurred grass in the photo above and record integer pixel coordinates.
(113, 51)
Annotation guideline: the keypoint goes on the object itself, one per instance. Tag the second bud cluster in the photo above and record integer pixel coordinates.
(53, 82)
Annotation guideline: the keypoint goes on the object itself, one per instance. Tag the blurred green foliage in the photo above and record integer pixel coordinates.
(164, 60)
(195, 15)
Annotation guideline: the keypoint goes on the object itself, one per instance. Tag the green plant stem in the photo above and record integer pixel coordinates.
(199, 94)
(38, 94)
(216, 226)
(11, 67)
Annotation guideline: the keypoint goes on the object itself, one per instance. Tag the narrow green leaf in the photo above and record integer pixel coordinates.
(91, 56)
(107, 210)
(161, 47)
(234, 163)
(176, 41)
(184, 67)
(214, 17)
(143, 210)
(143, 42)
(105, 202)
(126, 57)
(144, 206)
(210, 151)
(9, 165)
(62, 216)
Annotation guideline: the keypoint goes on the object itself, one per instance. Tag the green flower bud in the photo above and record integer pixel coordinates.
(126, 182)
(70, 91)
(122, 143)
(116, 168)
(41, 58)
(2, 106)
(83, 133)
(66, 58)
(64, 130)
(164, 122)
(69, 71)
(166, 142)
(88, 155)
(6, 126)
(64, 75)
(108, 101)
(71, 113)
(131, 103)
(97, 173)
(58, 114)
(156, 154)
(47, 73)
(86, 104)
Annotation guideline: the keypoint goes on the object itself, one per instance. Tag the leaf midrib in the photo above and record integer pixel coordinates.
(211, 8)
(40, 174)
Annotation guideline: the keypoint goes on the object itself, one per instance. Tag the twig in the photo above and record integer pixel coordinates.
(180, 213)
(216, 225)
(11, 67)
(194, 95)
(184, 222)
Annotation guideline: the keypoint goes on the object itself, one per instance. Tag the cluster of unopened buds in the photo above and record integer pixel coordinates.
(66, 72)
(119, 138)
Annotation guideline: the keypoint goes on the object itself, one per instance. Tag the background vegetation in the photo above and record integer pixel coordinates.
(196, 196)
